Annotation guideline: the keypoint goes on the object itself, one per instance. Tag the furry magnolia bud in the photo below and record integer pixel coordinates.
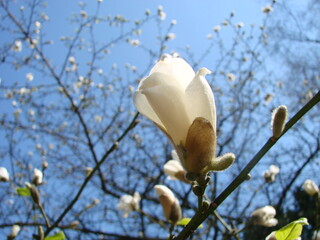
(278, 121)
(169, 202)
(200, 146)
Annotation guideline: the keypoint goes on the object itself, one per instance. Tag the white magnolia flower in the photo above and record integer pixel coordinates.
(72, 60)
(135, 42)
(29, 77)
(169, 202)
(240, 25)
(98, 118)
(4, 175)
(37, 176)
(83, 14)
(271, 173)
(310, 187)
(180, 102)
(264, 216)
(267, 9)
(170, 36)
(174, 169)
(37, 24)
(217, 28)
(128, 203)
(14, 231)
(17, 46)
(231, 77)
(162, 15)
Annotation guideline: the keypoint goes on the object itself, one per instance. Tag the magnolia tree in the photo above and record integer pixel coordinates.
(174, 146)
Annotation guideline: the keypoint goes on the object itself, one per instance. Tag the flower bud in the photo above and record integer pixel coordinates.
(170, 204)
(35, 195)
(279, 117)
(37, 177)
(14, 231)
(4, 175)
(310, 187)
(200, 146)
(264, 216)
(222, 162)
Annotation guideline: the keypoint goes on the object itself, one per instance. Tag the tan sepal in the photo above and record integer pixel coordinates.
(175, 214)
(200, 146)
(223, 162)
(279, 118)
(167, 204)
(181, 176)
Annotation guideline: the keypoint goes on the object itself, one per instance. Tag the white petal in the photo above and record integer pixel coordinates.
(172, 167)
(200, 99)
(143, 106)
(177, 68)
(164, 191)
(174, 155)
(169, 103)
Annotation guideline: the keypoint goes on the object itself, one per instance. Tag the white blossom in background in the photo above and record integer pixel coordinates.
(310, 187)
(100, 85)
(264, 216)
(191, 122)
(31, 112)
(170, 36)
(100, 1)
(37, 177)
(4, 174)
(173, 22)
(270, 174)
(29, 77)
(17, 46)
(98, 118)
(88, 171)
(216, 28)
(135, 42)
(72, 60)
(162, 15)
(128, 203)
(170, 204)
(14, 103)
(37, 24)
(83, 14)
(231, 77)
(209, 36)
(225, 23)
(44, 17)
(14, 231)
(267, 9)
(100, 71)
(240, 25)
(174, 169)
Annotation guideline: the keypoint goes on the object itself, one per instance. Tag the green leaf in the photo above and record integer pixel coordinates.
(23, 191)
(57, 236)
(292, 230)
(185, 221)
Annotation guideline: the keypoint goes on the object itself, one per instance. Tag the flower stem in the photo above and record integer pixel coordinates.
(199, 218)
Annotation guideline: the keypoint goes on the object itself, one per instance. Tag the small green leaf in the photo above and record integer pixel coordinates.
(292, 230)
(57, 236)
(185, 221)
(23, 191)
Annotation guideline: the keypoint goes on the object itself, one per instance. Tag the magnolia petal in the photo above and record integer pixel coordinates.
(168, 102)
(200, 146)
(177, 68)
(200, 99)
(143, 106)
(172, 167)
